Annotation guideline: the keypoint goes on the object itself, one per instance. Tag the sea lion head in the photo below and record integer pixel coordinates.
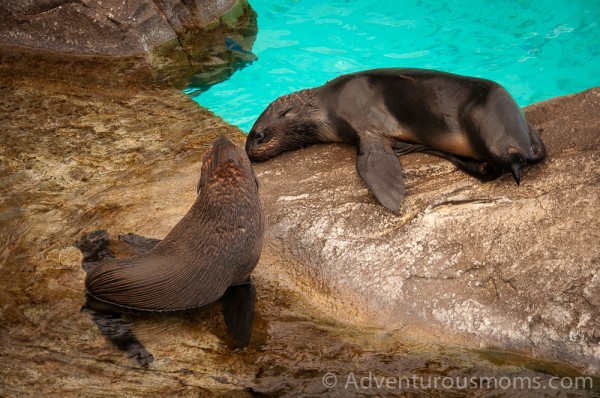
(290, 122)
(515, 151)
(226, 169)
(508, 141)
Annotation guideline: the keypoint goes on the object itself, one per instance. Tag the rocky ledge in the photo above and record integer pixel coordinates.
(482, 264)
(114, 42)
(343, 285)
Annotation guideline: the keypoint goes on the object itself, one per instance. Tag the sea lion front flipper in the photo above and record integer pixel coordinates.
(238, 310)
(380, 169)
(113, 327)
(476, 168)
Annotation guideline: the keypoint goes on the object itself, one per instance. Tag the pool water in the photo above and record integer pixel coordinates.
(537, 49)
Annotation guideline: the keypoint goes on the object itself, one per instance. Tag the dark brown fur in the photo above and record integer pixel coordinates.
(472, 122)
(216, 244)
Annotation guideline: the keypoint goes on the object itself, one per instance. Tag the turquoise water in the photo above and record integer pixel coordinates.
(537, 49)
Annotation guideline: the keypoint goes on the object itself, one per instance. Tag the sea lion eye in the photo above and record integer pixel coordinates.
(259, 137)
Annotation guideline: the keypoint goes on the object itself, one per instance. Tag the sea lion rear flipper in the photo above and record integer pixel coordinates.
(381, 171)
(112, 326)
(238, 310)
(476, 168)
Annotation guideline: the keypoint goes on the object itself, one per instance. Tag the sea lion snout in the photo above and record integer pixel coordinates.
(259, 145)
(292, 121)
(265, 143)
(224, 149)
(224, 154)
(253, 144)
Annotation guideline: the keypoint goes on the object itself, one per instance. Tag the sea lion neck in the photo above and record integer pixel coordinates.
(224, 195)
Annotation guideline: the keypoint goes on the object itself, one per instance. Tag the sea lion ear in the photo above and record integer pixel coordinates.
(381, 171)
(285, 110)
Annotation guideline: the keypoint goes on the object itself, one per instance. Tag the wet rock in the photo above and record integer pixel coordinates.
(480, 264)
(110, 42)
(77, 158)
(140, 151)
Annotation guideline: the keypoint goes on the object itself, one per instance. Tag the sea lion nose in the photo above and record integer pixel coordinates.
(254, 140)
(224, 150)
(248, 146)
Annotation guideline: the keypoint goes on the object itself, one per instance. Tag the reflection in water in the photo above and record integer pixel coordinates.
(75, 160)
(223, 53)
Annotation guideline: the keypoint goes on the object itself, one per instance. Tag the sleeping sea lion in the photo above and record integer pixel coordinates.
(207, 256)
(472, 122)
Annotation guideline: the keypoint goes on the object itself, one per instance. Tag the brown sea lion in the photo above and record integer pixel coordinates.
(472, 122)
(207, 256)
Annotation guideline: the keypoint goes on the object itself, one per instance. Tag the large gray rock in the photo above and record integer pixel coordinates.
(135, 40)
(483, 264)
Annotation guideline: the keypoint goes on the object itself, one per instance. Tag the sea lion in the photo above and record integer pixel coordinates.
(472, 122)
(210, 254)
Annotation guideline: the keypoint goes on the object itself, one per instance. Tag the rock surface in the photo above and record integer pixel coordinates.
(164, 41)
(482, 264)
(75, 158)
(106, 27)
(343, 285)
